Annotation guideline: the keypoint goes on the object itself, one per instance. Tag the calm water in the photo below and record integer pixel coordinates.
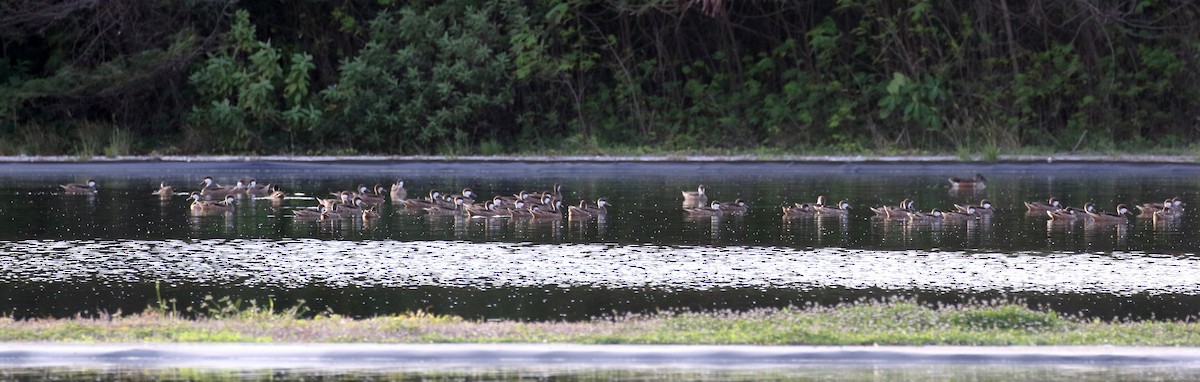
(65, 254)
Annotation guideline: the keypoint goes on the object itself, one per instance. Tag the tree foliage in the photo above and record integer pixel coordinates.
(453, 75)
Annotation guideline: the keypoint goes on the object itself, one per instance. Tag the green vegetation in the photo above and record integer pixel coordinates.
(453, 77)
(884, 323)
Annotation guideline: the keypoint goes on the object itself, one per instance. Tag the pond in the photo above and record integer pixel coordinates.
(62, 255)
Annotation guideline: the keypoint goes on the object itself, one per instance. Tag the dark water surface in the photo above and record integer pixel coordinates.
(65, 254)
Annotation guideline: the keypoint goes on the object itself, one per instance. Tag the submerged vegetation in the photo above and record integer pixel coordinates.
(898, 322)
(489, 77)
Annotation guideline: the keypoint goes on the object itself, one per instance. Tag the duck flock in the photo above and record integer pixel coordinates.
(214, 198)
(695, 203)
(363, 202)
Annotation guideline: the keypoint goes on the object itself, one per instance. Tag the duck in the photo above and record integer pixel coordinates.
(488, 208)
(899, 211)
(1109, 217)
(547, 213)
(468, 196)
(519, 210)
(842, 209)
(1174, 205)
(713, 209)
(1051, 204)
(375, 197)
(738, 207)
(579, 212)
(799, 210)
(1168, 212)
(973, 183)
(316, 213)
(398, 192)
(341, 198)
(557, 191)
(440, 208)
(210, 188)
(968, 213)
(87, 188)
(199, 205)
(600, 209)
(804, 209)
(984, 208)
(585, 211)
(695, 199)
(1070, 214)
(511, 201)
(164, 190)
(434, 196)
(369, 213)
(276, 193)
(934, 215)
(253, 189)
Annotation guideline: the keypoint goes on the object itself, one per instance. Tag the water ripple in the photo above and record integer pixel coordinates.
(311, 262)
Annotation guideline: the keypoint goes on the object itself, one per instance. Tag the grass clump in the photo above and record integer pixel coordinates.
(894, 322)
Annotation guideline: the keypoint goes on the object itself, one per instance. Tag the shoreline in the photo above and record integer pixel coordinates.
(1049, 158)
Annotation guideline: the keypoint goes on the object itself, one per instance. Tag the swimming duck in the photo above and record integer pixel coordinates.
(210, 188)
(352, 208)
(511, 201)
(1070, 214)
(984, 208)
(341, 198)
(585, 211)
(440, 208)
(398, 192)
(164, 190)
(969, 213)
(369, 213)
(973, 183)
(738, 207)
(714, 209)
(199, 205)
(695, 199)
(547, 213)
(842, 209)
(519, 210)
(1109, 217)
(899, 211)
(276, 193)
(799, 210)
(1174, 205)
(1051, 204)
(253, 189)
(934, 215)
(373, 197)
(1167, 213)
(489, 208)
(468, 196)
(316, 213)
(434, 196)
(557, 192)
(600, 209)
(88, 187)
(579, 212)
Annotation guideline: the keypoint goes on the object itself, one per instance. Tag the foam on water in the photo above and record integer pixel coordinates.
(296, 263)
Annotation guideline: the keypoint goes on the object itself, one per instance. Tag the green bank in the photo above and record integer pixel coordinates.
(897, 322)
(454, 77)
